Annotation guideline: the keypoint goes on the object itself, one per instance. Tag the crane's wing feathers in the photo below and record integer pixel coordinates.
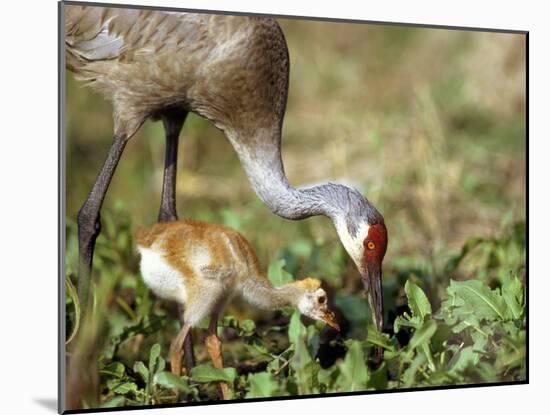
(104, 45)
(101, 33)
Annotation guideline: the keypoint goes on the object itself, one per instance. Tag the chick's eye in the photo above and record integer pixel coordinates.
(371, 245)
(322, 299)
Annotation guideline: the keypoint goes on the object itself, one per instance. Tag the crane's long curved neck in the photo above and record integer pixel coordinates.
(261, 158)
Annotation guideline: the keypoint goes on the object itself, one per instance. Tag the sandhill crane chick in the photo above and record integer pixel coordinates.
(203, 266)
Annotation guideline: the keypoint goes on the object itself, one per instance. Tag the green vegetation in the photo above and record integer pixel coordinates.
(429, 124)
(476, 335)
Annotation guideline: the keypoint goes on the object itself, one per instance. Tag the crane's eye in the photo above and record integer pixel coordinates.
(371, 245)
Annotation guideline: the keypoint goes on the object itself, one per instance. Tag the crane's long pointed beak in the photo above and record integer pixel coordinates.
(372, 282)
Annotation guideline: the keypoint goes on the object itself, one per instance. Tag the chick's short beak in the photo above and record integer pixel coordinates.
(372, 282)
(328, 317)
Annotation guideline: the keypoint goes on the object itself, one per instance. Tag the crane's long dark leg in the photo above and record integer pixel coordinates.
(173, 123)
(82, 376)
(89, 224)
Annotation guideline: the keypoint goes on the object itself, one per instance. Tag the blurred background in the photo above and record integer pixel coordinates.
(428, 123)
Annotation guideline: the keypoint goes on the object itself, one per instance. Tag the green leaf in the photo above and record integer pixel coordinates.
(409, 376)
(301, 361)
(277, 275)
(462, 359)
(327, 377)
(140, 368)
(353, 371)
(296, 330)
(262, 385)
(114, 403)
(425, 348)
(512, 292)
(418, 302)
(478, 298)
(115, 369)
(379, 378)
(248, 326)
(161, 364)
(208, 373)
(170, 381)
(379, 339)
(121, 388)
(423, 334)
(414, 323)
(153, 357)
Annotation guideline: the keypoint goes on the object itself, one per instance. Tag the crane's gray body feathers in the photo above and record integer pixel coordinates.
(146, 61)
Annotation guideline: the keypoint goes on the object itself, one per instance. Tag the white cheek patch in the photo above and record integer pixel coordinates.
(353, 245)
(305, 305)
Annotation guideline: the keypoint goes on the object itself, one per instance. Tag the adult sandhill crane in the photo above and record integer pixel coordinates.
(231, 70)
(203, 266)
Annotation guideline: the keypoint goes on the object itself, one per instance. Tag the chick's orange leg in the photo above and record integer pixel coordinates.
(177, 350)
(214, 347)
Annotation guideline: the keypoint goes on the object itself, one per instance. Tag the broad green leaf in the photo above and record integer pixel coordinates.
(169, 381)
(353, 370)
(423, 335)
(512, 292)
(115, 369)
(479, 298)
(208, 373)
(425, 348)
(296, 330)
(313, 339)
(468, 320)
(301, 361)
(257, 348)
(414, 323)
(161, 364)
(462, 359)
(277, 275)
(409, 376)
(140, 368)
(114, 402)
(121, 388)
(418, 302)
(153, 357)
(248, 326)
(261, 385)
(327, 377)
(379, 339)
(379, 378)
